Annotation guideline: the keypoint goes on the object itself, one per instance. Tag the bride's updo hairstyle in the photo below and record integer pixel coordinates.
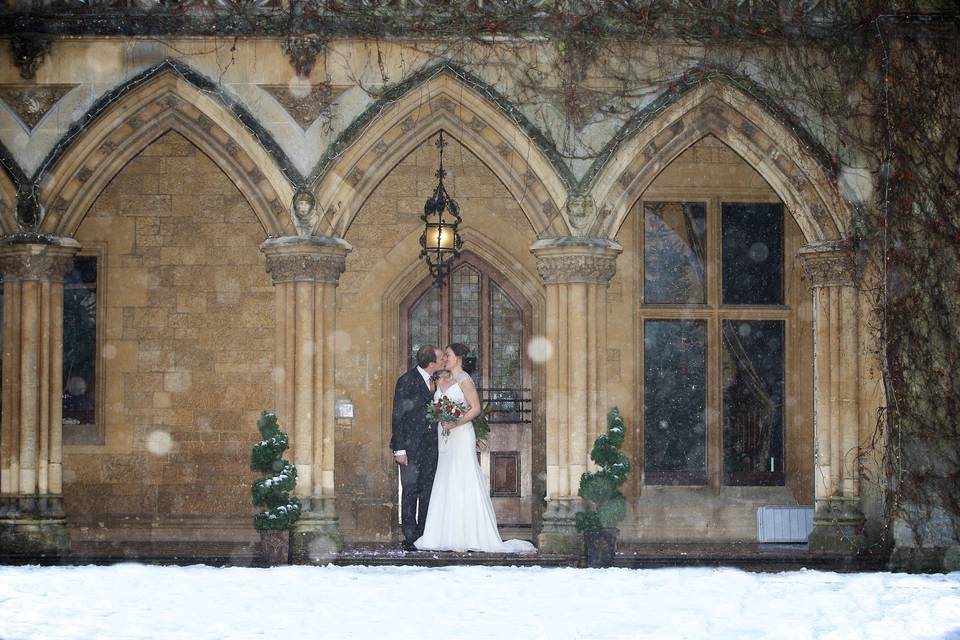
(461, 350)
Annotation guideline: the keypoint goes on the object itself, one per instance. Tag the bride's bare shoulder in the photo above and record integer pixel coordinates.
(444, 380)
(463, 377)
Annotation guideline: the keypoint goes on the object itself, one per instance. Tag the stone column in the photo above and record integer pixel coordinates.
(32, 519)
(305, 272)
(576, 272)
(833, 277)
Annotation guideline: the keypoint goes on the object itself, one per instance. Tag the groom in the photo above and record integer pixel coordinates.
(414, 442)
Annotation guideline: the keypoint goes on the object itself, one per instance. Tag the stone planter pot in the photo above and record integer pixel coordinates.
(275, 546)
(600, 545)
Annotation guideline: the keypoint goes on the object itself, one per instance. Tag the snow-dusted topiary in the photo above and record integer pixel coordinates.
(606, 505)
(273, 493)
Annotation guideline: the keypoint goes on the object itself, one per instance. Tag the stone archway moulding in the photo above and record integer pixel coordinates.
(443, 102)
(410, 271)
(8, 204)
(163, 103)
(718, 108)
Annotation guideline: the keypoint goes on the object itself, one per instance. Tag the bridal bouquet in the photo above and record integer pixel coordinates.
(443, 409)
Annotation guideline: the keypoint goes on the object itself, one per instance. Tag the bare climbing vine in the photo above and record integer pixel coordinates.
(873, 86)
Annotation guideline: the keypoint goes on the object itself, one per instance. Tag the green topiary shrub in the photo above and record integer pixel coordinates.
(273, 493)
(606, 505)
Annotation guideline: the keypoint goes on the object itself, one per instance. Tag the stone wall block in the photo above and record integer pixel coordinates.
(169, 256)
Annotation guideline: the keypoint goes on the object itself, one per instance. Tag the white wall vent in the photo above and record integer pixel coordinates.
(784, 523)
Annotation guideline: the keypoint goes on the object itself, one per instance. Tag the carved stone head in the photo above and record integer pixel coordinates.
(303, 204)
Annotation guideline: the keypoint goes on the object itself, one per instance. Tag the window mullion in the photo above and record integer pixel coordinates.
(714, 410)
(714, 371)
(486, 331)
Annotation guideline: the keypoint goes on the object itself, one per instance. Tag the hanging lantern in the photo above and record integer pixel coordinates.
(440, 242)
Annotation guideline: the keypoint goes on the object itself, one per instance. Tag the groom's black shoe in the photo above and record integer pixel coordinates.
(408, 546)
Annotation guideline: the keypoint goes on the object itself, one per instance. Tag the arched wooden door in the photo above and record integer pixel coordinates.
(481, 309)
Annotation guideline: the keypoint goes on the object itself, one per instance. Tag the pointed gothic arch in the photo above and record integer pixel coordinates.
(409, 273)
(717, 108)
(164, 102)
(442, 101)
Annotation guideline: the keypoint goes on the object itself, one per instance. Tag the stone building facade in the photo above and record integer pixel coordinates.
(745, 372)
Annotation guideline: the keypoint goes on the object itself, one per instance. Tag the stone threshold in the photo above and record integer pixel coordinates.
(745, 556)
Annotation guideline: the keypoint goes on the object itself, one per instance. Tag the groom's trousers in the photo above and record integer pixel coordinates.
(416, 480)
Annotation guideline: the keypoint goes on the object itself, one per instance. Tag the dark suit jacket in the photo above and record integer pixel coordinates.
(411, 429)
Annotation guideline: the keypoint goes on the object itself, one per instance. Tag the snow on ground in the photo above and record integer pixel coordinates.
(199, 602)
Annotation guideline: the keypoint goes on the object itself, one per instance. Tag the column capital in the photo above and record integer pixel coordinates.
(569, 259)
(305, 259)
(37, 257)
(830, 264)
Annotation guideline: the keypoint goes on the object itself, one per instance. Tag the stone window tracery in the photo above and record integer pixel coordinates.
(714, 325)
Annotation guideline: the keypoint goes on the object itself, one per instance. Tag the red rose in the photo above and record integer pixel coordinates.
(449, 407)
(457, 413)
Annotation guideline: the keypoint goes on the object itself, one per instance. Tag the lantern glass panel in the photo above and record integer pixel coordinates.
(439, 236)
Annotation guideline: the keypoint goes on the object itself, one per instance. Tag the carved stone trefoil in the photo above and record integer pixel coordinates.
(355, 176)
(308, 103)
(32, 102)
(443, 104)
(27, 52)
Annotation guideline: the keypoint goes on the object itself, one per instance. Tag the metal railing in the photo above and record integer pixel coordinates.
(507, 406)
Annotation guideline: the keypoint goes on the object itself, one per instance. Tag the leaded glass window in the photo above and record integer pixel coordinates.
(753, 381)
(424, 323)
(752, 253)
(506, 348)
(465, 308)
(713, 312)
(477, 308)
(674, 252)
(79, 351)
(675, 401)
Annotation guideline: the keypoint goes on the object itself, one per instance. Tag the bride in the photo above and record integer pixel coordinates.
(461, 516)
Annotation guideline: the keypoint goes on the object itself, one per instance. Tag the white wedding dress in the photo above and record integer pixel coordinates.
(461, 515)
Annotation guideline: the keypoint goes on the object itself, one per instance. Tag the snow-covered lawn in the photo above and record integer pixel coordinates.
(139, 602)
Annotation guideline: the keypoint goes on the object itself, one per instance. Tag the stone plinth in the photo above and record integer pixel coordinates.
(837, 527)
